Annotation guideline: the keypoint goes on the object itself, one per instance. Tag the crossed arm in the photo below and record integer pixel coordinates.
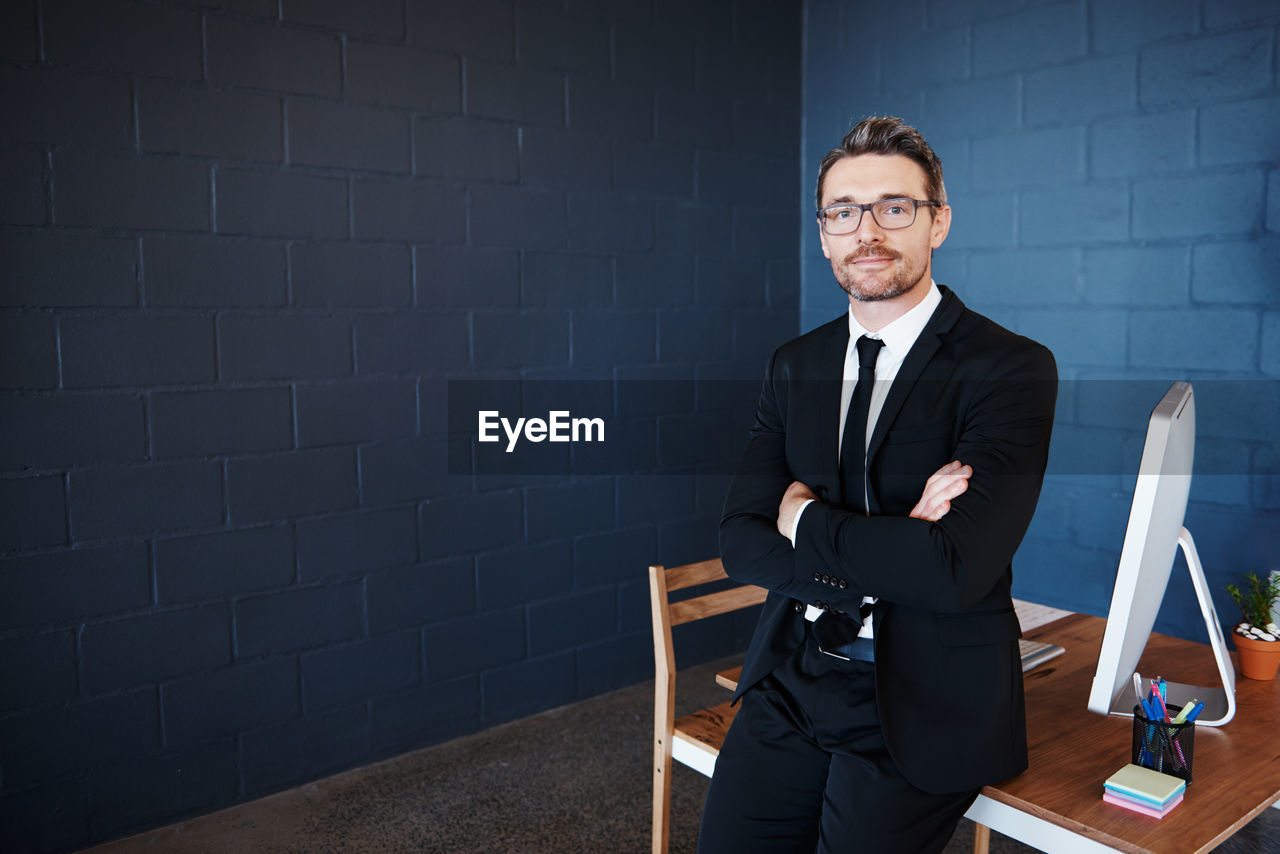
(943, 485)
(955, 552)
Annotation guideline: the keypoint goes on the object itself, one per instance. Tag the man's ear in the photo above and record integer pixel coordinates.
(822, 239)
(940, 227)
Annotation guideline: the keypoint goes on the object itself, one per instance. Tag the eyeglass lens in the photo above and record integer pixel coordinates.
(889, 213)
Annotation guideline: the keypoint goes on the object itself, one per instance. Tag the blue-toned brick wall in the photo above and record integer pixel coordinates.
(1113, 171)
(243, 249)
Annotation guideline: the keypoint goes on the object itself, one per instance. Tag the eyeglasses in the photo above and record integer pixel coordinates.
(889, 214)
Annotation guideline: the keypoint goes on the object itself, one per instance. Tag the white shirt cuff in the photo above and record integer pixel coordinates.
(795, 525)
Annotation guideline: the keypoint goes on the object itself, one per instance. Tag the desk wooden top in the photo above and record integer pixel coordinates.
(1072, 751)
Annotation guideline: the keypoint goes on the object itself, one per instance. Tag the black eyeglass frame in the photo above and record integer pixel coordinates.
(862, 210)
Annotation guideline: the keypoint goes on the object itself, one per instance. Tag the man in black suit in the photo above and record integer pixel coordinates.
(883, 685)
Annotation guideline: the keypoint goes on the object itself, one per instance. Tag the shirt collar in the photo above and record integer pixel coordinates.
(899, 335)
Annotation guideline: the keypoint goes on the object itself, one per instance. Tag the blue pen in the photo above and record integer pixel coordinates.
(1165, 746)
(1195, 712)
(1146, 755)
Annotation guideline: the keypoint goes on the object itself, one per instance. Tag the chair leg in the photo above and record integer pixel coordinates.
(981, 838)
(661, 798)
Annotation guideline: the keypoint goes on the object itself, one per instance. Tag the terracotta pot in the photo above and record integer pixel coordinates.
(1258, 659)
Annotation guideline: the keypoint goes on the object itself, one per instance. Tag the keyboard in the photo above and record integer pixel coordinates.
(1035, 653)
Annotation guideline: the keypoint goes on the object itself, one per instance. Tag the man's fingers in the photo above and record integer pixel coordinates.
(942, 472)
(947, 486)
(797, 490)
(951, 486)
(928, 512)
(792, 500)
(942, 486)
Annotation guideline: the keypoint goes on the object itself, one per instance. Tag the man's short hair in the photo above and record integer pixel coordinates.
(888, 135)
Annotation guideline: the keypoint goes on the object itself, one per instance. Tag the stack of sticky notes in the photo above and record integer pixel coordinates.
(1144, 791)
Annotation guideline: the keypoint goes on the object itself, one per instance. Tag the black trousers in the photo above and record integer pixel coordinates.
(804, 768)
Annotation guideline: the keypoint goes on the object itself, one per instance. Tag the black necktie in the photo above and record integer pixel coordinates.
(853, 447)
(835, 632)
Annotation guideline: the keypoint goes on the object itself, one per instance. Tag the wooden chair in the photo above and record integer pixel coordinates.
(695, 739)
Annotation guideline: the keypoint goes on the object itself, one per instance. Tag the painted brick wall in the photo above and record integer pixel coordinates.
(243, 248)
(1113, 173)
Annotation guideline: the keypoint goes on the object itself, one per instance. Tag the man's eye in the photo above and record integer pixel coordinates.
(895, 210)
(843, 213)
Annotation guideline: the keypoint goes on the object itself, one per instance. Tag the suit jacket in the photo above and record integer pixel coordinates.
(948, 672)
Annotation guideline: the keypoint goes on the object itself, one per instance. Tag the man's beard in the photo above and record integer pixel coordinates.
(901, 278)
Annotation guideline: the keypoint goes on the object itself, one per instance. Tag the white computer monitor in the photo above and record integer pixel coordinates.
(1151, 541)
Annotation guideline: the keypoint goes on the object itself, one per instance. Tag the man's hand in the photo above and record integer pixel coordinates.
(942, 486)
(792, 500)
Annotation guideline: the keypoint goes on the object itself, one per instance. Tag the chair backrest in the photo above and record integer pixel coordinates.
(667, 614)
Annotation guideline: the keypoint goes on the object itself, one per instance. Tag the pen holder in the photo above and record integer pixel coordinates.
(1161, 746)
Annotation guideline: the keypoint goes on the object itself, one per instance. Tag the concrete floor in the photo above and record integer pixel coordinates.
(574, 779)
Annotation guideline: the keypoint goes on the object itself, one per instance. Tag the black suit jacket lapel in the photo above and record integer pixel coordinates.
(828, 403)
(944, 318)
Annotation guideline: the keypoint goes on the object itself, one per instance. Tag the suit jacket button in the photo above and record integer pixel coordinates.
(844, 585)
(798, 607)
(825, 579)
(817, 576)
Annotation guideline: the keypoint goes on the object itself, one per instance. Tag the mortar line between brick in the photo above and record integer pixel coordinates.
(462, 86)
(213, 198)
(40, 58)
(226, 500)
(66, 506)
(46, 180)
(136, 122)
(342, 66)
(284, 130)
(204, 47)
(351, 207)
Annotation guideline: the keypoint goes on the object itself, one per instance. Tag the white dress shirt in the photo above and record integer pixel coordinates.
(898, 338)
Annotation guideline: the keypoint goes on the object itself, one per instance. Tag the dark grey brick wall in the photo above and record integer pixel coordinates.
(243, 248)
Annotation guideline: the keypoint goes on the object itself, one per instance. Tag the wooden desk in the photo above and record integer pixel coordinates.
(1056, 805)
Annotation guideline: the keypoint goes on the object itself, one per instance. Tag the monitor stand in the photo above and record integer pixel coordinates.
(1219, 703)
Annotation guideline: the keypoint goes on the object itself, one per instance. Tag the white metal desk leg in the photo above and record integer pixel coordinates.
(1026, 828)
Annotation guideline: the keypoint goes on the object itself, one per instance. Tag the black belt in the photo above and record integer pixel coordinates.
(863, 649)
(837, 637)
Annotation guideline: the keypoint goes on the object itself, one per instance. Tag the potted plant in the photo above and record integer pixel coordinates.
(1257, 638)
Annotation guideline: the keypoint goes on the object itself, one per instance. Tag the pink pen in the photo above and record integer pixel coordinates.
(1157, 700)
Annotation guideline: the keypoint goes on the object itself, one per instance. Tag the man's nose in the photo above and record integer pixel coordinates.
(869, 231)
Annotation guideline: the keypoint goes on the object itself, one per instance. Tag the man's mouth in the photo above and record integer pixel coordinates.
(870, 260)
